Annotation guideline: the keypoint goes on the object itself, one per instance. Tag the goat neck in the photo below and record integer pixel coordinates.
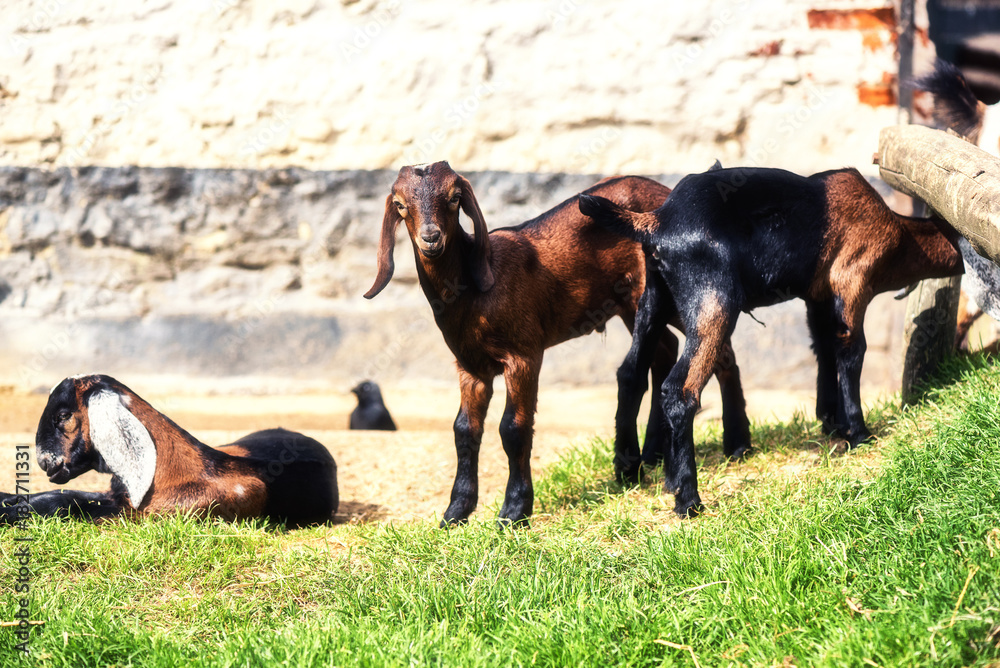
(447, 280)
(155, 461)
(926, 248)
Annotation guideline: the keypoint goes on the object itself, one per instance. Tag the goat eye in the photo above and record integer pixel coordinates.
(63, 415)
(455, 199)
(401, 207)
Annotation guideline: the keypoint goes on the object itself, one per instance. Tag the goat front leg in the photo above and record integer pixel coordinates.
(58, 503)
(476, 395)
(516, 432)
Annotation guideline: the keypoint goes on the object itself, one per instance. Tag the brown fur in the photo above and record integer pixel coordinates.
(869, 249)
(500, 299)
(275, 473)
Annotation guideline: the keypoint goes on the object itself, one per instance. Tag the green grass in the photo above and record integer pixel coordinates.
(807, 556)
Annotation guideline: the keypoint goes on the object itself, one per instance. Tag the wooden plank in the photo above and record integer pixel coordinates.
(959, 181)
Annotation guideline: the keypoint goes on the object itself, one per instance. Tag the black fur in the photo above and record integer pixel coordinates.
(58, 503)
(732, 240)
(371, 412)
(955, 105)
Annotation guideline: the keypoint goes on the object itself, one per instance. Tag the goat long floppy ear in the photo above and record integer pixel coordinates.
(482, 271)
(123, 442)
(387, 241)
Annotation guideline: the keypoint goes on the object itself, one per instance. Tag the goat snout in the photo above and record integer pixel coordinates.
(431, 242)
(55, 466)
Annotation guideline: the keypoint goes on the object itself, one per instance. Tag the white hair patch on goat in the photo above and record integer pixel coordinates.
(123, 442)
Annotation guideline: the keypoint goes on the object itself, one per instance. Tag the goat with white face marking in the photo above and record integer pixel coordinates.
(500, 299)
(96, 423)
(732, 240)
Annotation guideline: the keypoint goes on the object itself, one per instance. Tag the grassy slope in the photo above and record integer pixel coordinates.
(889, 556)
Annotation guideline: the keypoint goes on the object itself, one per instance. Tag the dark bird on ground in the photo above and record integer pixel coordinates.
(371, 412)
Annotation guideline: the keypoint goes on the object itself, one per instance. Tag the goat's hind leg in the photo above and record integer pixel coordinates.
(823, 327)
(516, 433)
(735, 423)
(837, 328)
(851, 347)
(476, 395)
(653, 346)
(714, 318)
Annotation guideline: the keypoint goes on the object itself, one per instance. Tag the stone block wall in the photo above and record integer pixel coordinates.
(581, 86)
(259, 274)
(195, 188)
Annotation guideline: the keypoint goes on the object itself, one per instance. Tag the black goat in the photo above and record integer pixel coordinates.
(731, 240)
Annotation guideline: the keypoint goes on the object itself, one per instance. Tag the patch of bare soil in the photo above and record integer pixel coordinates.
(398, 476)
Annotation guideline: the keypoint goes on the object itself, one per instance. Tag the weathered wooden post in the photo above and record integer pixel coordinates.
(932, 308)
(961, 183)
(928, 330)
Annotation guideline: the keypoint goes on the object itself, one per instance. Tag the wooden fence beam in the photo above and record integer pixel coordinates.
(959, 181)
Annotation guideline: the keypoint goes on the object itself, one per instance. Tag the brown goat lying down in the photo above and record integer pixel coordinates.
(500, 299)
(732, 240)
(96, 423)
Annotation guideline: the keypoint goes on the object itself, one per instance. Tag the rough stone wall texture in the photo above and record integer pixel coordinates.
(165, 271)
(266, 136)
(591, 86)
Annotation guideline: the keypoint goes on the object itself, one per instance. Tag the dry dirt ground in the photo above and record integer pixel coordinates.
(403, 475)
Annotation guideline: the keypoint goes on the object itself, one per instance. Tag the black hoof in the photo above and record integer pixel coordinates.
(739, 454)
(448, 523)
(505, 523)
(628, 475)
(691, 509)
(833, 430)
(854, 441)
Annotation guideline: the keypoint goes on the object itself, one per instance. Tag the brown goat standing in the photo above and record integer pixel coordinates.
(500, 299)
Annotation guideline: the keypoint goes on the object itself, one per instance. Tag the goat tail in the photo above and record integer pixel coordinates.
(629, 224)
(955, 105)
